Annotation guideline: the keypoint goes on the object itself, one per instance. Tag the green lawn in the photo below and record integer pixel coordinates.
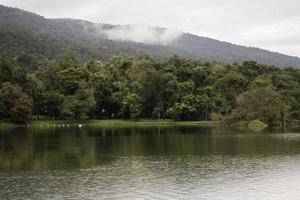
(147, 123)
(115, 122)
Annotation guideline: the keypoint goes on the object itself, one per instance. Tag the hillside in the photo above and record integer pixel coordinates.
(25, 32)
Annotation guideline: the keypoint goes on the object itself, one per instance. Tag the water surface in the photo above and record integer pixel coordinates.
(210, 162)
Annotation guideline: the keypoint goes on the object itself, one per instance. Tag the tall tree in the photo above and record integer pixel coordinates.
(16, 104)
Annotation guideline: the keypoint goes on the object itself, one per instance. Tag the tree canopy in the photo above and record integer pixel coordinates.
(132, 88)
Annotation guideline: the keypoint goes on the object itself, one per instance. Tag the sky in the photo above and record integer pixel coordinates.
(269, 24)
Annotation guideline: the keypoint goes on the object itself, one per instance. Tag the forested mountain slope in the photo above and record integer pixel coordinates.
(24, 32)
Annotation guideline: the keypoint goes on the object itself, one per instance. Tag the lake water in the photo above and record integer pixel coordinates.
(210, 163)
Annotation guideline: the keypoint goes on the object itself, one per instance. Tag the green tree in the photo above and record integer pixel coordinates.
(131, 106)
(263, 103)
(21, 112)
(81, 104)
(6, 69)
(52, 103)
(230, 85)
(186, 109)
(35, 88)
(15, 104)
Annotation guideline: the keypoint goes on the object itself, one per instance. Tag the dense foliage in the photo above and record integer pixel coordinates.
(132, 88)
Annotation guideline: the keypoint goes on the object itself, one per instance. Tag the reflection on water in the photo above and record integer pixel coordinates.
(150, 162)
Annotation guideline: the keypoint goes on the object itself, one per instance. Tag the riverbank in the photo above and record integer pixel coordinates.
(108, 123)
(254, 125)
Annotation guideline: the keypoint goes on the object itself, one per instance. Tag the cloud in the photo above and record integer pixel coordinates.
(144, 34)
(280, 36)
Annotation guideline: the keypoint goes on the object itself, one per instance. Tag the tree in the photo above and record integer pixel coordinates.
(186, 109)
(36, 89)
(27, 61)
(52, 103)
(81, 104)
(68, 107)
(230, 85)
(6, 69)
(131, 106)
(67, 73)
(105, 88)
(21, 112)
(263, 103)
(152, 87)
(15, 104)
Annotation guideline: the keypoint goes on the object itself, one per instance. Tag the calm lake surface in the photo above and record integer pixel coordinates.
(210, 162)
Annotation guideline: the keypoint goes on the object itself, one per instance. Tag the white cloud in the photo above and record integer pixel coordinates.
(143, 33)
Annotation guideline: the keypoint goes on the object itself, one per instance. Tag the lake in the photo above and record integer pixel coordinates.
(196, 162)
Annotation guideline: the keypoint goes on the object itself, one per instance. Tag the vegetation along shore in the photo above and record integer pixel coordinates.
(123, 87)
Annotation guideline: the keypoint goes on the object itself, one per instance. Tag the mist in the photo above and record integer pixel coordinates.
(143, 34)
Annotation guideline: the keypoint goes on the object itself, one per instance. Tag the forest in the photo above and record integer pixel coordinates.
(125, 87)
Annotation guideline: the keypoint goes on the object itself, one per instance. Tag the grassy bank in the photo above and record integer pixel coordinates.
(4, 124)
(254, 125)
(148, 123)
(110, 123)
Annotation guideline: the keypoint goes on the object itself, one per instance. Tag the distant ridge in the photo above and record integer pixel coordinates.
(26, 32)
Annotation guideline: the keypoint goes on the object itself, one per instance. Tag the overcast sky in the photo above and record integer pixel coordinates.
(268, 24)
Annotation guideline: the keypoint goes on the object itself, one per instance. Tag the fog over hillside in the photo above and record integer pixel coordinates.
(144, 34)
(23, 31)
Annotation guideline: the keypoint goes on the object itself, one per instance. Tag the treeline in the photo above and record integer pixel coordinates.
(133, 88)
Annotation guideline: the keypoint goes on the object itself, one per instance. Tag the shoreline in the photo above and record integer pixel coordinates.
(134, 123)
(107, 123)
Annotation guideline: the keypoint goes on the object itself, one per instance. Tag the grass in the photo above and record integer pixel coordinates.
(257, 125)
(111, 123)
(147, 123)
(7, 124)
(254, 125)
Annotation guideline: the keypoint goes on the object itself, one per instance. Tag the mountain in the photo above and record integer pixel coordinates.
(26, 32)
